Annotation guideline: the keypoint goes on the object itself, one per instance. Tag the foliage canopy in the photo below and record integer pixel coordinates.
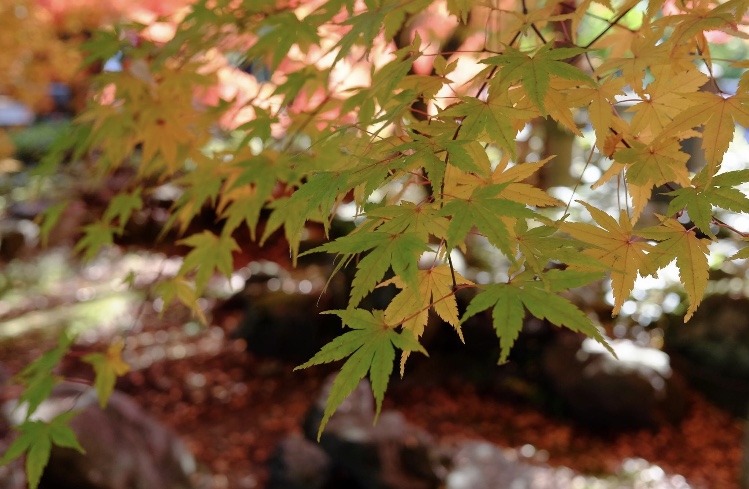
(411, 111)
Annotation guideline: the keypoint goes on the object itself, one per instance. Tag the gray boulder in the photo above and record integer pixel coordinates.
(390, 454)
(298, 463)
(482, 465)
(125, 447)
(637, 389)
(712, 350)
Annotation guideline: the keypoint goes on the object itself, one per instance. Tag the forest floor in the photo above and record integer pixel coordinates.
(232, 408)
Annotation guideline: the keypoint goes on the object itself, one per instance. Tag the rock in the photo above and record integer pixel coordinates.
(639, 389)
(125, 447)
(712, 350)
(482, 465)
(15, 237)
(390, 454)
(298, 463)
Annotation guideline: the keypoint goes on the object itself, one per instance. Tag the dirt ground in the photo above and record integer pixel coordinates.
(232, 409)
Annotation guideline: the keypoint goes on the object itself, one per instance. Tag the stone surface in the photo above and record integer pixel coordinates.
(481, 465)
(390, 454)
(125, 447)
(298, 463)
(712, 350)
(637, 389)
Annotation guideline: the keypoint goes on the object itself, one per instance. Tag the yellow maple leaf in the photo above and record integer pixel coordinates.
(717, 114)
(614, 244)
(410, 307)
(108, 366)
(517, 191)
(601, 100)
(690, 252)
(664, 98)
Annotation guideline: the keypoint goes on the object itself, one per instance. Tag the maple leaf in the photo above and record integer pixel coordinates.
(460, 9)
(95, 237)
(699, 198)
(718, 115)
(108, 366)
(690, 253)
(700, 17)
(122, 207)
(247, 188)
(509, 301)
(209, 253)
(495, 120)
(422, 219)
(600, 100)
(313, 201)
(272, 40)
(657, 163)
(664, 98)
(534, 72)
(399, 251)
(49, 219)
(517, 191)
(647, 51)
(614, 244)
(199, 187)
(410, 308)
(483, 210)
(558, 107)
(181, 289)
(36, 440)
(38, 376)
(370, 348)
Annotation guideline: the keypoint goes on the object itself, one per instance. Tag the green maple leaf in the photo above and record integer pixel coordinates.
(706, 193)
(38, 376)
(492, 120)
(509, 301)
(180, 289)
(245, 197)
(50, 217)
(697, 204)
(122, 207)
(209, 253)
(460, 9)
(313, 200)
(742, 254)
(273, 37)
(507, 313)
(484, 211)
(691, 257)
(370, 348)
(422, 219)
(399, 251)
(36, 440)
(95, 237)
(364, 28)
(655, 164)
(534, 72)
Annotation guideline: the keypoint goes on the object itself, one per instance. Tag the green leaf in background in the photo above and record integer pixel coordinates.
(95, 237)
(122, 207)
(209, 253)
(38, 376)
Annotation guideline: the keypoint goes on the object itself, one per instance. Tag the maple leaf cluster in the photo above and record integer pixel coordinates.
(363, 102)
